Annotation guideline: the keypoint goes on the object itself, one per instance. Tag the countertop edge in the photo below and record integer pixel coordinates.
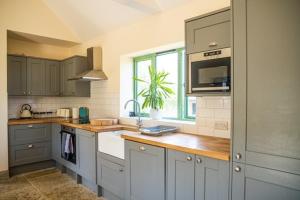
(210, 154)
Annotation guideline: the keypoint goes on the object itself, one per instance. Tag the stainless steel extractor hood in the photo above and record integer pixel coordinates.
(94, 61)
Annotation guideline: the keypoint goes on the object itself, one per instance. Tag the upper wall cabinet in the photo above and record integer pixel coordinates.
(208, 32)
(43, 77)
(69, 68)
(52, 78)
(35, 77)
(16, 76)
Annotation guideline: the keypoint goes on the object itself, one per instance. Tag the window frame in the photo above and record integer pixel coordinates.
(182, 99)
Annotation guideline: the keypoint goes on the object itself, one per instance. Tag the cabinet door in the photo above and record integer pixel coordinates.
(29, 153)
(24, 134)
(86, 154)
(145, 171)
(211, 179)
(266, 84)
(68, 71)
(255, 183)
(180, 175)
(208, 32)
(35, 77)
(56, 142)
(16, 75)
(52, 78)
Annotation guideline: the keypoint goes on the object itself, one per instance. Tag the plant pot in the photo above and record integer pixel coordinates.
(155, 114)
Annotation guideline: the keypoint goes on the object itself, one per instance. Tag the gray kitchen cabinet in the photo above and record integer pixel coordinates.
(211, 179)
(111, 176)
(208, 32)
(86, 154)
(29, 153)
(69, 69)
(16, 75)
(266, 150)
(144, 171)
(193, 177)
(25, 134)
(35, 77)
(56, 142)
(180, 175)
(257, 183)
(29, 144)
(52, 78)
(266, 84)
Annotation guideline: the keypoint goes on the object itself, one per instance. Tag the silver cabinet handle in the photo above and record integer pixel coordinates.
(189, 158)
(212, 44)
(238, 156)
(142, 148)
(24, 92)
(30, 126)
(30, 146)
(199, 160)
(29, 92)
(237, 169)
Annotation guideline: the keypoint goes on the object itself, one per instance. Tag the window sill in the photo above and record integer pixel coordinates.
(171, 121)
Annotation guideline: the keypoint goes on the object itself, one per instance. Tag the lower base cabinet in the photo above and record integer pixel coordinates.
(86, 154)
(111, 176)
(192, 177)
(256, 183)
(145, 171)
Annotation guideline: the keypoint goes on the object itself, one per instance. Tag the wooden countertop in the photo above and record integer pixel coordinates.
(214, 147)
(68, 122)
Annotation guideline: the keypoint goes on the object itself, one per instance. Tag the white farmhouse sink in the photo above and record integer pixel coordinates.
(111, 143)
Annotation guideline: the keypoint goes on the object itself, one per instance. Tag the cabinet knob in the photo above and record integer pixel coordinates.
(121, 170)
(237, 169)
(189, 158)
(142, 148)
(199, 160)
(212, 44)
(238, 156)
(24, 92)
(30, 146)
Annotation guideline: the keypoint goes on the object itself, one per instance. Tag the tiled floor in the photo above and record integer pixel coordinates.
(49, 184)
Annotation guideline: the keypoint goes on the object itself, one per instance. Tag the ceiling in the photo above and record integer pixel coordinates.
(90, 18)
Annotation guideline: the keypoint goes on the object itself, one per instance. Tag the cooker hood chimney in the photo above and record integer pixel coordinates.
(94, 61)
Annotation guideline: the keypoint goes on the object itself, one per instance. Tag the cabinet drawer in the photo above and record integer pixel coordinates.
(208, 33)
(111, 176)
(24, 134)
(29, 153)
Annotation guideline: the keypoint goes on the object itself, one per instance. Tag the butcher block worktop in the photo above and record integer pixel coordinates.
(213, 147)
(69, 122)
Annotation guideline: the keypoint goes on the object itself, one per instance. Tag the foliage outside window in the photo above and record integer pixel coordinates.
(178, 106)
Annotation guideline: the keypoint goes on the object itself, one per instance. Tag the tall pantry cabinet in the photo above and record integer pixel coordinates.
(266, 115)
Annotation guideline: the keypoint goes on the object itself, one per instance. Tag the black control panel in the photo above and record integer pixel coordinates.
(212, 53)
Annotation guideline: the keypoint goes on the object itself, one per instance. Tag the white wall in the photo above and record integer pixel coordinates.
(30, 16)
(155, 32)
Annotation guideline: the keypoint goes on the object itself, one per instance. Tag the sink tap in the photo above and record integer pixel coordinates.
(138, 121)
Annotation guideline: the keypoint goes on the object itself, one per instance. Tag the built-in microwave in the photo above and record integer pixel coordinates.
(209, 72)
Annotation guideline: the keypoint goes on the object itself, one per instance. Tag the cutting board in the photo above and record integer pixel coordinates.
(103, 122)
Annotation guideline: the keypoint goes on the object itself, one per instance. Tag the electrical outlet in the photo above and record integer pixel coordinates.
(221, 125)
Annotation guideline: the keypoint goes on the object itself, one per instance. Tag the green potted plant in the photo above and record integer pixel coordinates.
(155, 92)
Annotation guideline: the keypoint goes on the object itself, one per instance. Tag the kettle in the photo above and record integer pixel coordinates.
(26, 111)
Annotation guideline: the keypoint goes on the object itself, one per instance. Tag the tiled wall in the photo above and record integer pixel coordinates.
(103, 102)
(213, 116)
(213, 113)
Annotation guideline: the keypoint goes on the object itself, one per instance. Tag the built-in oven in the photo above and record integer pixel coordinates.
(209, 72)
(68, 144)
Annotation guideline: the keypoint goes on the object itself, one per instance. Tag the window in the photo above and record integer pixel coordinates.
(178, 106)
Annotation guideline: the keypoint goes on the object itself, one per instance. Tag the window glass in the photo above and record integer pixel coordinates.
(169, 63)
(143, 74)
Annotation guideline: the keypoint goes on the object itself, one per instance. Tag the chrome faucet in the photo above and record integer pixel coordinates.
(138, 121)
